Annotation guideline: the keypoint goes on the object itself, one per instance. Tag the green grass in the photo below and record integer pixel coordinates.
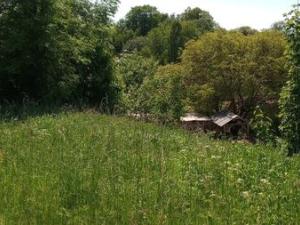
(83, 168)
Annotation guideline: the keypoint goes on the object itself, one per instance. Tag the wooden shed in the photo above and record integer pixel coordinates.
(222, 123)
(196, 122)
(230, 124)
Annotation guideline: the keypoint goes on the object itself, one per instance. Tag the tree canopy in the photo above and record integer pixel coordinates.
(142, 19)
(232, 71)
(56, 50)
(203, 20)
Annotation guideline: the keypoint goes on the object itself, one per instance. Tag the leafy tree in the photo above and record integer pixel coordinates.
(159, 42)
(290, 96)
(162, 95)
(51, 49)
(190, 30)
(142, 19)
(121, 35)
(175, 41)
(225, 70)
(166, 41)
(132, 70)
(203, 20)
(19, 37)
(105, 9)
(135, 45)
(246, 30)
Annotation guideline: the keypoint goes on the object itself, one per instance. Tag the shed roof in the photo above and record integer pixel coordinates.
(220, 119)
(194, 117)
(223, 118)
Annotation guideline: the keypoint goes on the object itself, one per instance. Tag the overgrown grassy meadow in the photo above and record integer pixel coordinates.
(85, 168)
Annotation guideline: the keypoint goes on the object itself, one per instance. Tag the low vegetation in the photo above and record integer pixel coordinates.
(85, 168)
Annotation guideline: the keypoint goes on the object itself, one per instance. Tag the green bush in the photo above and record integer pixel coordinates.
(290, 96)
(132, 70)
(162, 95)
(262, 126)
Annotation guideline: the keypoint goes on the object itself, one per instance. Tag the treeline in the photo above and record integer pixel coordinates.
(160, 36)
(148, 63)
(188, 63)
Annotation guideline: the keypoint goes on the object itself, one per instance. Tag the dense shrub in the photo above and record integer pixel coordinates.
(132, 70)
(290, 96)
(162, 95)
(262, 125)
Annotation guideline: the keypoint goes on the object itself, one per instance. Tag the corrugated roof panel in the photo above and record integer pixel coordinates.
(219, 119)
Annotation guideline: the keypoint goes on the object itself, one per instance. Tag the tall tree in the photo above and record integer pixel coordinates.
(142, 19)
(290, 96)
(175, 41)
(201, 18)
(159, 42)
(25, 41)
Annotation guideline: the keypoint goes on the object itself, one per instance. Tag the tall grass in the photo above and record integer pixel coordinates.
(83, 168)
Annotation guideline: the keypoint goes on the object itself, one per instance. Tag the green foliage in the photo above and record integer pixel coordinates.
(159, 42)
(162, 95)
(203, 19)
(228, 70)
(262, 125)
(142, 19)
(245, 30)
(55, 50)
(175, 41)
(149, 90)
(290, 96)
(158, 35)
(190, 30)
(137, 44)
(83, 168)
(120, 36)
(166, 41)
(132, 70)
